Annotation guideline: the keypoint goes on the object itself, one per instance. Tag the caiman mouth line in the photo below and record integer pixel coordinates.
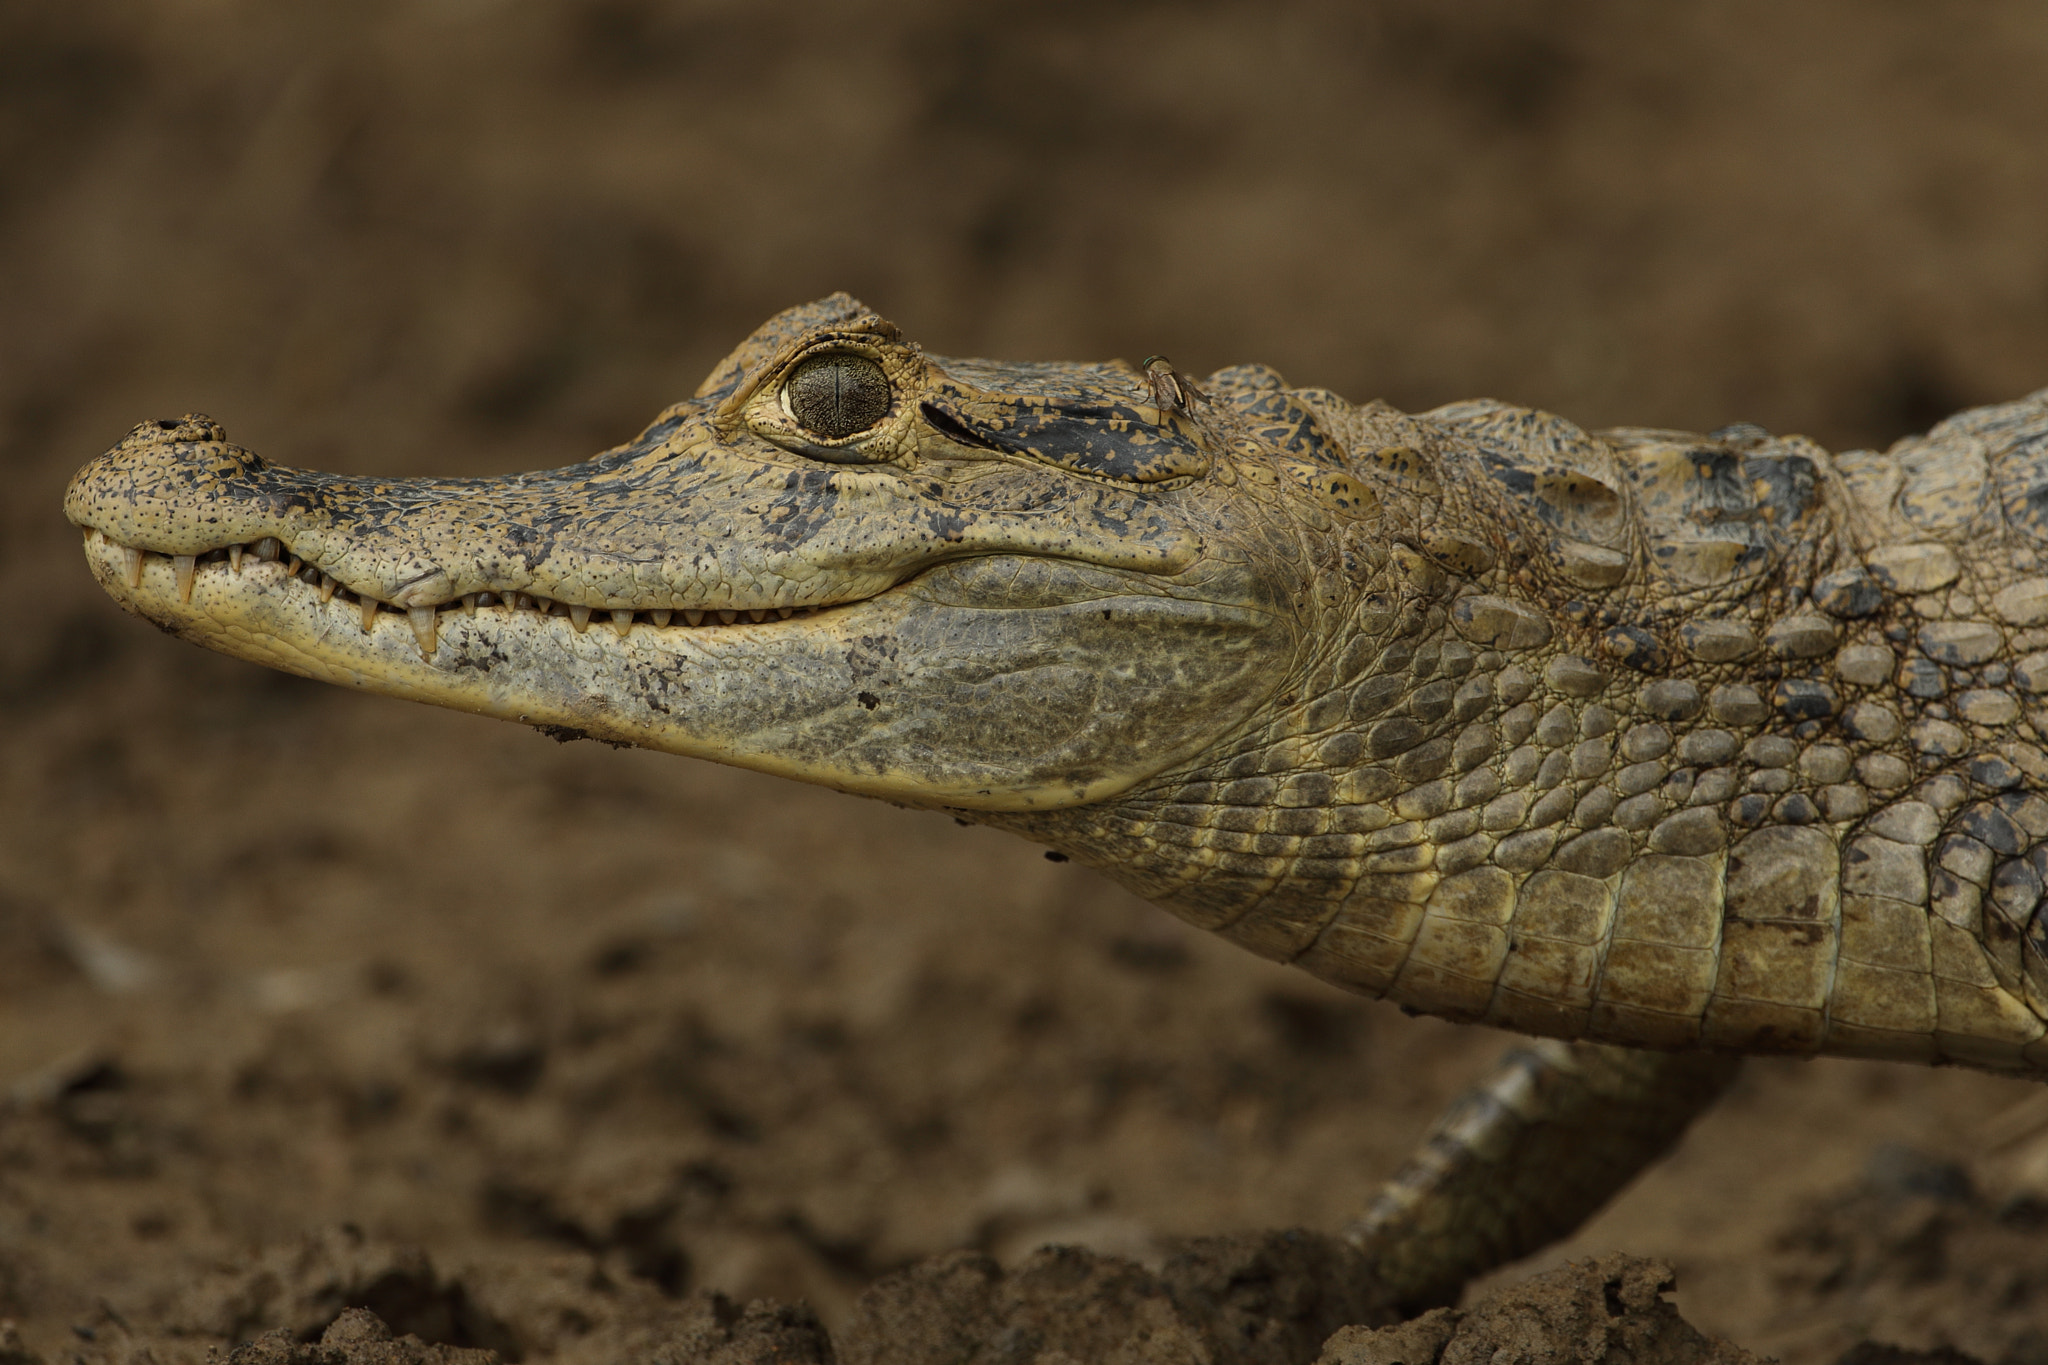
(425, 618)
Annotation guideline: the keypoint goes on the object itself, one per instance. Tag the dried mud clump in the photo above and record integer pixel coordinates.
(1607, 1311)
(1919, 1253)
(714, 1332)
(1276, 1298)
(357, 1337)
(12, 1349)
(1284, 1298)
(1259, 1299)
(297, 1290)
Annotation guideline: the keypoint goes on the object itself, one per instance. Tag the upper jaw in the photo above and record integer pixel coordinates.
(620, 531)
(674, 529)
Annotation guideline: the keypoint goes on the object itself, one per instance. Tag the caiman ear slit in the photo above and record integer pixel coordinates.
(953, 429)
(1107, 440)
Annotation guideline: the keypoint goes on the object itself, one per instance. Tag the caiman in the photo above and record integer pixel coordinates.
(1665, 748)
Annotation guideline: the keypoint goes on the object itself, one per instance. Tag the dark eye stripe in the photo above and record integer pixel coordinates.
(1105, 439)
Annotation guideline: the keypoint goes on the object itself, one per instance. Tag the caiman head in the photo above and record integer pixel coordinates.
(989, 587)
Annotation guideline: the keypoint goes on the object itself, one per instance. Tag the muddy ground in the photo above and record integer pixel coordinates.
(309, 999)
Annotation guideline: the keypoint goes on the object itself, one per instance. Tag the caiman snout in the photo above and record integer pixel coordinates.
(146, 490)
(1015, 611)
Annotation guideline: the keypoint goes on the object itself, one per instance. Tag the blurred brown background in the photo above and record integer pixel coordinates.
(294, 982)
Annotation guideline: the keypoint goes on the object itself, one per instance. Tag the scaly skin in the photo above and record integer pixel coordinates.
(1632, 737)
(1640, 737)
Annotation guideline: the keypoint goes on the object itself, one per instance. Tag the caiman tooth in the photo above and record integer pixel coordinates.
(184, 566)
(423, 628)
(692, 617)
(757, 615)
(785, 612)
(327, 587)
(661, 616)
(469, 603)
(235, 559)
(579, 617)
(268, 549)
(131, 561)
(369, 604)
(622, 622)
(293, 565)
(727, 615)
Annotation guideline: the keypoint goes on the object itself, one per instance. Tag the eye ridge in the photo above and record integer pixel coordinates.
(838, 394)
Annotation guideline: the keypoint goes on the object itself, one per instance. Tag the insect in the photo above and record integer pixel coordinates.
(1170, 388)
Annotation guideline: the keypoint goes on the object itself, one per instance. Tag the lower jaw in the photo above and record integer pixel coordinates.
(426, 622)
(507, 658)
(841, 698)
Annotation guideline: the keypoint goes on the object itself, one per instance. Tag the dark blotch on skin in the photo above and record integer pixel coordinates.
(1636, 647)
(569, 734)
(1851, 593)
(1802, 699)
(838, 394)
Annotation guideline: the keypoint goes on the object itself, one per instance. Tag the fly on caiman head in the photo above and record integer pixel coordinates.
(1171, 388)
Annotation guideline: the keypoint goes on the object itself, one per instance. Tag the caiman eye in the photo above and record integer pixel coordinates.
(837, 394)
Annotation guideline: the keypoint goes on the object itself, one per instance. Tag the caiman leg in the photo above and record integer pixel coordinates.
(1527, 1156)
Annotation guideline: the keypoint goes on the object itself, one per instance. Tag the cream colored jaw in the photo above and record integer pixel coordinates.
(732, 693)
(425, 619)
(262, 614)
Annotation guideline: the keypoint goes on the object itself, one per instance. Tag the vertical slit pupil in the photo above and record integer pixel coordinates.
(836, 395)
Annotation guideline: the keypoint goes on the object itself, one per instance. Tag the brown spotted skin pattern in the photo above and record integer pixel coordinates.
(1651, 738)
(1639, 737)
